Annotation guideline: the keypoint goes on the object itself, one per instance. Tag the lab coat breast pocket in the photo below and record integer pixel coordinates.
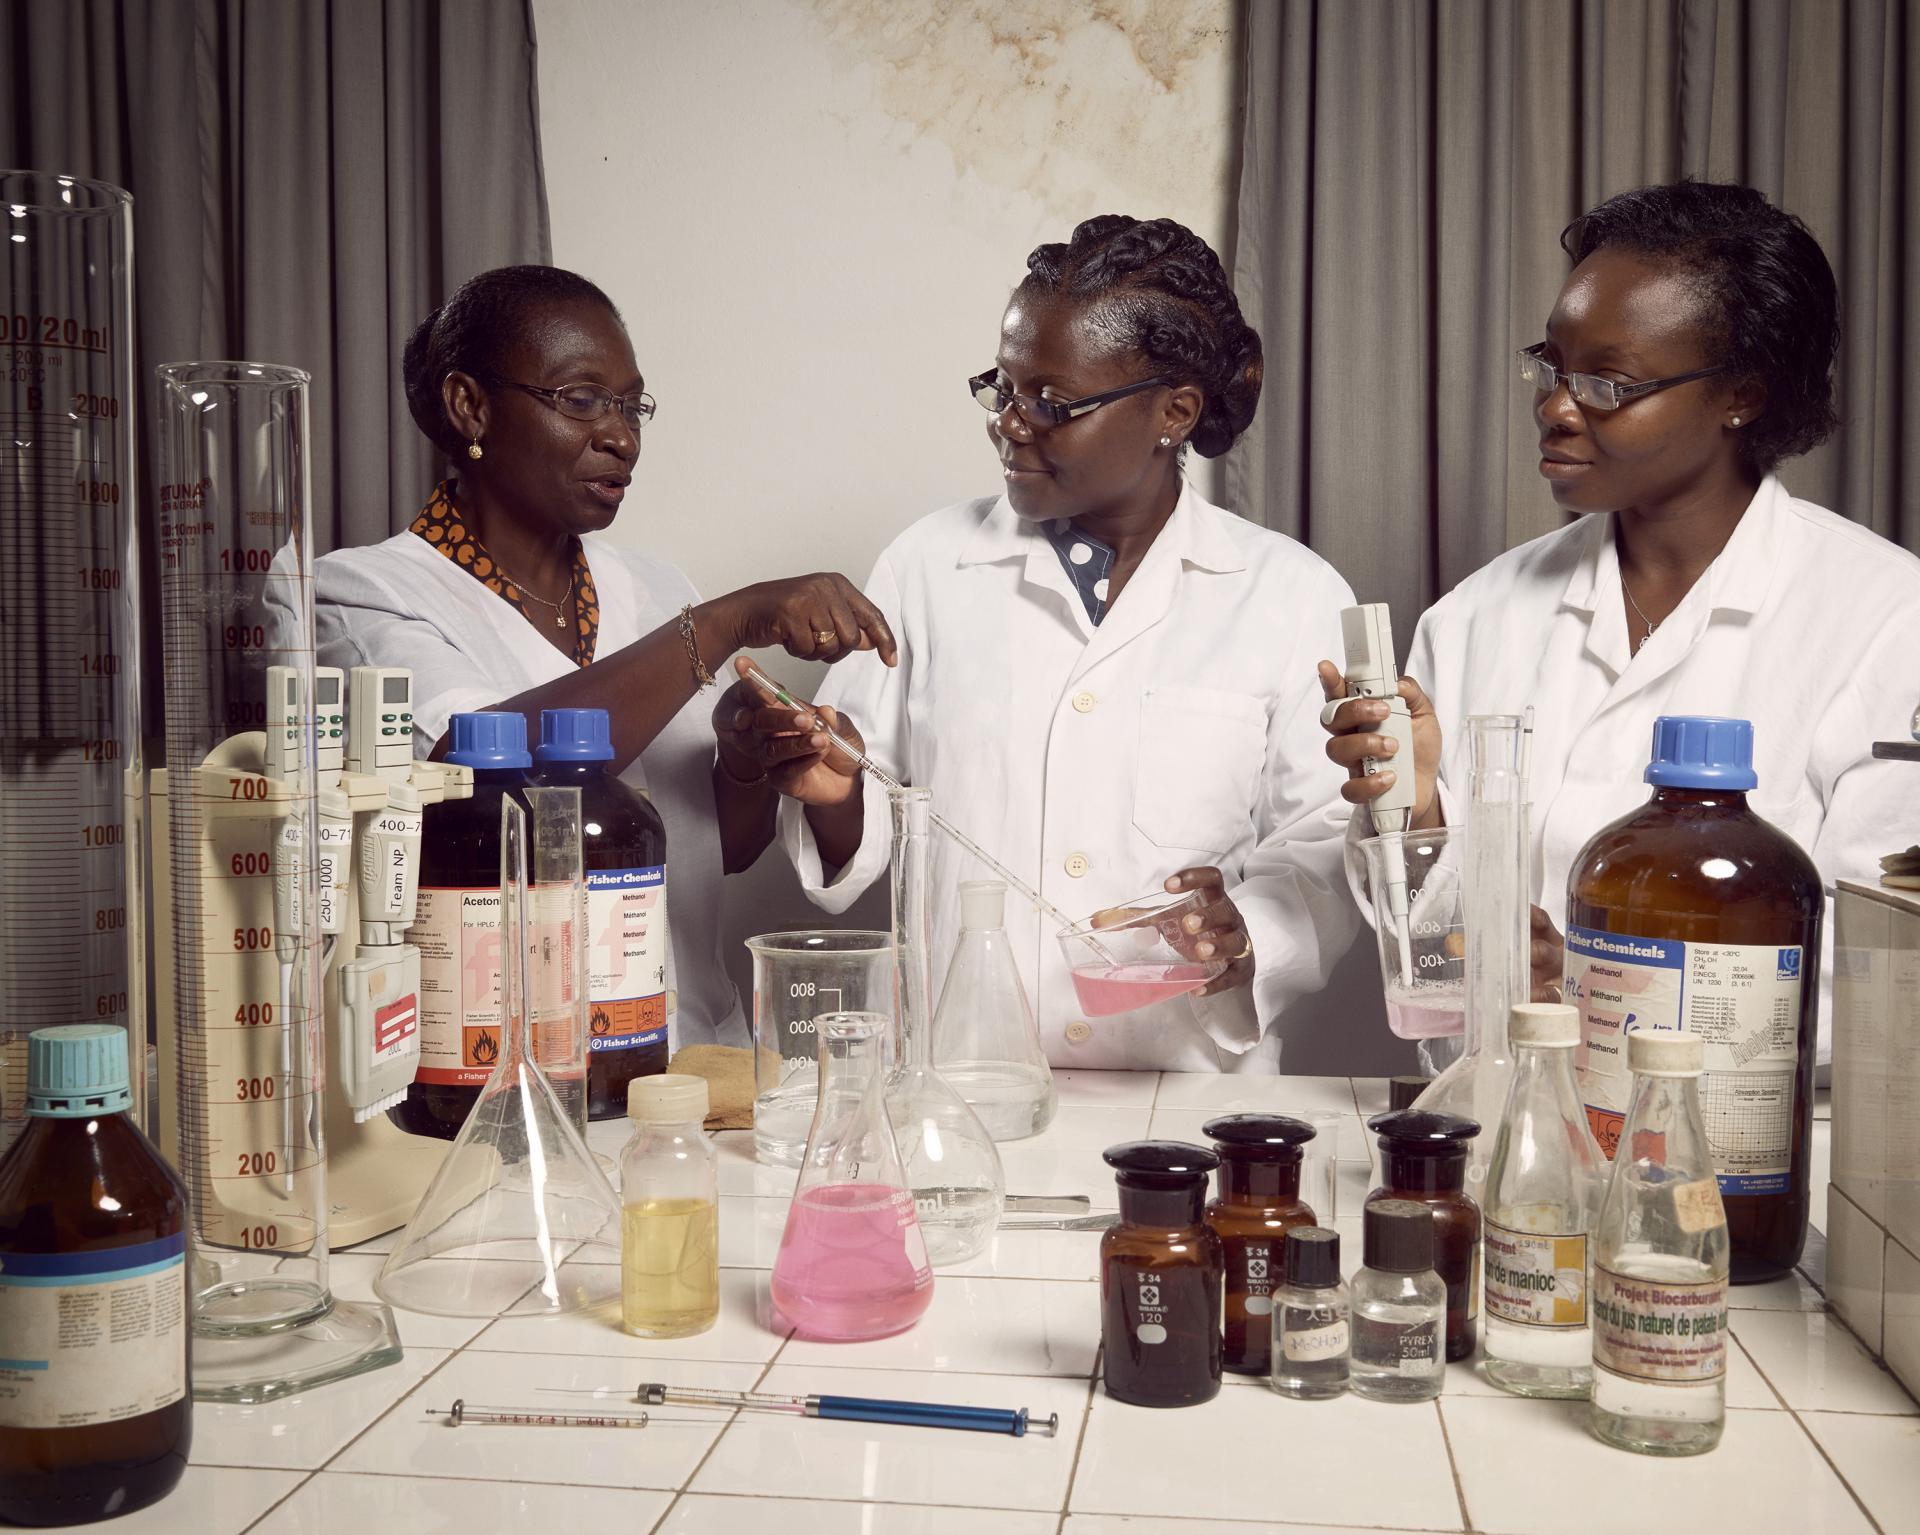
(1201, 754)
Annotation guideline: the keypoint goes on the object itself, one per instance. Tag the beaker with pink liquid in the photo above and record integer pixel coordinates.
(852, 1263)
(1426, 989)
(1138, 953)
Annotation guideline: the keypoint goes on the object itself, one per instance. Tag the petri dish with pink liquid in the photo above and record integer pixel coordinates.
(1138, 953)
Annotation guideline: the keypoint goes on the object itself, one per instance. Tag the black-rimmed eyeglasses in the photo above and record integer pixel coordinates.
(989, 393)
(1590, 389)
(587, 402)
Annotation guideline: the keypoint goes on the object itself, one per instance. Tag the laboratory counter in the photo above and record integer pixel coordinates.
(1819, 1438)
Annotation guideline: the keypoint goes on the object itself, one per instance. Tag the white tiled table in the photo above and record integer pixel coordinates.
(1819, 1438)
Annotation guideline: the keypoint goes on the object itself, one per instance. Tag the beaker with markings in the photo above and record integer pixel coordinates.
(72, 855)
(243, 1064)
(798, 978)
(1427, 994)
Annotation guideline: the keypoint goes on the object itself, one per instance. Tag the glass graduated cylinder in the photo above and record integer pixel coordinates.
(852, 1262)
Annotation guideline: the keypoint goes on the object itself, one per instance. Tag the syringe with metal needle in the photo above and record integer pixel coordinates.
(462, 1412)
(887, 781)
(1367, 633)
(862, 1409)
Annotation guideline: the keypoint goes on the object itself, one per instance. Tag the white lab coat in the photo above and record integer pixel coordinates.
(403, 603)
(1807, 624)
(1097, 761)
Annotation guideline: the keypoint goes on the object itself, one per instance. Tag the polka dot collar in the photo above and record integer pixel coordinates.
(1087, 561)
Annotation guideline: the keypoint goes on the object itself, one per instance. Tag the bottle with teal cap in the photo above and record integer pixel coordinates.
(1695, 914)
(624, 851)
(457, 925)
(96, 1410)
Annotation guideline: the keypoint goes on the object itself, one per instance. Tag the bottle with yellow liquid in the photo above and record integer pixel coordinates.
(670, 1211)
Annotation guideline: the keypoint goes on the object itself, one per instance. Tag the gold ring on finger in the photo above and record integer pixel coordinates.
(825, 636)
(1246, 946)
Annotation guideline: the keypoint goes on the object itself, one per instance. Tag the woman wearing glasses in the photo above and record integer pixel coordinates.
(504, 595)
(1688, 357)
(1093, 673)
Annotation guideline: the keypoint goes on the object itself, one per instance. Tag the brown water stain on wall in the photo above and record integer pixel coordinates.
(1078, 102)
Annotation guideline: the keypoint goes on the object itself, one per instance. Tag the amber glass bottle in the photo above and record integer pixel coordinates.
(624, 845)
(1692, 913)
(1161, 1272)
(96, 1416)
(1259, 1201)
(456, 927)
(1423, 1157)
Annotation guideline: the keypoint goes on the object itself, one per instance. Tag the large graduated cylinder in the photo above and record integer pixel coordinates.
(71, 945)
(242, 1042)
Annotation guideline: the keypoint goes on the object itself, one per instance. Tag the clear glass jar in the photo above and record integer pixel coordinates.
(1311, 1318)
(669, 1211)
(1424, 1156)
(1399, 1307)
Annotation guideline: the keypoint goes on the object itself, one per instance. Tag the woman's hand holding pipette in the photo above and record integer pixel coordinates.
(760, 733)
(1355, 738)
(1217, 932)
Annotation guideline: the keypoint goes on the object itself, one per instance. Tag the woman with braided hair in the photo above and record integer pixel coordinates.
(1096, 669)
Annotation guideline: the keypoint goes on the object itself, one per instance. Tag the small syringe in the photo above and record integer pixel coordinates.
(462, 1412)
(1367, 632)
(887, 781)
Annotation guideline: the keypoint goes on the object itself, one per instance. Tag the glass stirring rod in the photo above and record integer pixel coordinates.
(888, 781)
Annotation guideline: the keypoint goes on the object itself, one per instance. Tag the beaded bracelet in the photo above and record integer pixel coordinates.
(700, 672)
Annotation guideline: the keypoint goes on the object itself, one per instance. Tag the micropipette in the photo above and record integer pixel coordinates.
(888, 781)
(462, 1412)
(862, 1409)
(1367, 631)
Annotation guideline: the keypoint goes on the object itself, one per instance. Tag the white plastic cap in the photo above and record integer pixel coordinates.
(668, 1099)
(1555, 1024)
(1664, 1053)
(983, 904)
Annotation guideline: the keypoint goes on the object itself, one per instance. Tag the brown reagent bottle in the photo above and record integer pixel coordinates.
(1423, 1157)
(96, 1412)
(1161, 1274)
(624, 849)
(1258, 1203)
(1693, 913)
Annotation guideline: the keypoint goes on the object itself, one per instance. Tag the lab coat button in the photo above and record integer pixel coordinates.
(1077, 864)
(1083, 702)
(1079, 1031)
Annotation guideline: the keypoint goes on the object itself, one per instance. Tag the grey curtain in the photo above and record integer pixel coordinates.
(310, 177)
(1407, 168)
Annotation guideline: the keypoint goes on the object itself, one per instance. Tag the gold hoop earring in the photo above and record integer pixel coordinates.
(474, 449)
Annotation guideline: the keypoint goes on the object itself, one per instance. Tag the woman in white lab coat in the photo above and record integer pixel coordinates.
(504, 595)
(1094, 665)
(1689, 355)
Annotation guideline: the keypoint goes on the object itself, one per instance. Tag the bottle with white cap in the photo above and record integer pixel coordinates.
(1660, 1257)
(985, 1041)
(670, 1211)
(1544, 1189)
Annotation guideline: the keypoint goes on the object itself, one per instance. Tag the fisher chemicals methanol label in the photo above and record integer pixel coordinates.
(1742, 1000)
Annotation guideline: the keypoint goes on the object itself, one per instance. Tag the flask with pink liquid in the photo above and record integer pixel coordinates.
(852, 1261)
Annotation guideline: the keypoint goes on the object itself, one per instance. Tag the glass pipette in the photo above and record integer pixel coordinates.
(463, 1412)
(887, 781)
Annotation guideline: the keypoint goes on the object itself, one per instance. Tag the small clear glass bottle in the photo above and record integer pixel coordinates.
(1399, 1307)
(1161, 1278)
(1259, 1202)
(1660, 1260)
(1310, 1318)
(985, 1040)
(1544, 1188)
(1424, 1156)
(669, 1211)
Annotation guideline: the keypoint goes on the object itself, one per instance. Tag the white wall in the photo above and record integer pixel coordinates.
(811, 215)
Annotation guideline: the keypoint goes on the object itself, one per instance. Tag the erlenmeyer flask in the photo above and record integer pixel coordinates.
(852, 1261)
(985, 1042)
(952, 1166)
(1494, 913)
(519, 1220)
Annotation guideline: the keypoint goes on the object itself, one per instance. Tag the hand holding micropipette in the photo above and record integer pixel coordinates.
(1354, 722)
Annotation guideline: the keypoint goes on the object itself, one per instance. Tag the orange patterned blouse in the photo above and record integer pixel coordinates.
(442, 526)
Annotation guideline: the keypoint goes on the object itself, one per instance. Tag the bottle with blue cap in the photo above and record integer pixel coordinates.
(1694, 913)
(624, 849)
(456, 925)
(96, 1412)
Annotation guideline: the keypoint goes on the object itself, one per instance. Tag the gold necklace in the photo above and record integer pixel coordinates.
(559, 614)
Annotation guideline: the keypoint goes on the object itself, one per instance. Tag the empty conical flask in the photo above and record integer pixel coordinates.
(985, 1041)
(852, 1261)
(952, 1166)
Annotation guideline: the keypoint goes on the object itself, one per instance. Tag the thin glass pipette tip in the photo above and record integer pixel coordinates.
(887, 781)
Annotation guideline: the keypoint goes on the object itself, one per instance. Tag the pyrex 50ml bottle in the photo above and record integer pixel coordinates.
(623, 844)
(1161, 1274)
(1259, 1202)
(1423, 1157)
(95, 1415)
(456, 927)
(1692, 913)
(1399, 1307)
